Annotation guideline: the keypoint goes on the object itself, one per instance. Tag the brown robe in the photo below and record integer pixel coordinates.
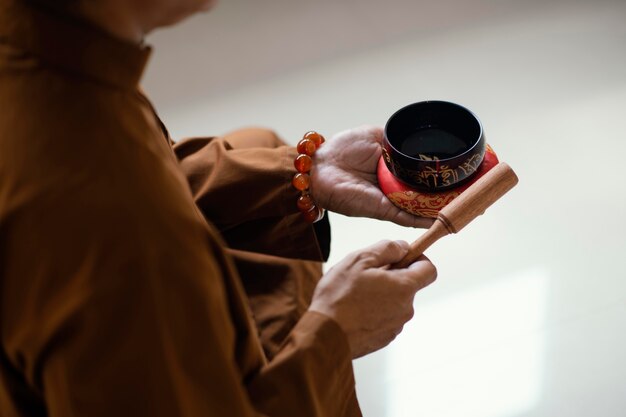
(117, 296)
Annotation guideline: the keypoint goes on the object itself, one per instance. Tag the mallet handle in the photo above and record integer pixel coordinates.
(462, 210)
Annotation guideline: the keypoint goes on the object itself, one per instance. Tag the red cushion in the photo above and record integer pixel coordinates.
(422, 203)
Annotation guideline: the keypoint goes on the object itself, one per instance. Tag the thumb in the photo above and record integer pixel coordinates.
(376, 132)
(421, 272)
(385, 252)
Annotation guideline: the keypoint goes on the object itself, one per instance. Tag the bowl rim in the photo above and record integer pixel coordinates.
(477, 141)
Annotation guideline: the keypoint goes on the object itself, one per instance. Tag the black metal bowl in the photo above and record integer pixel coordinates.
(433, 145)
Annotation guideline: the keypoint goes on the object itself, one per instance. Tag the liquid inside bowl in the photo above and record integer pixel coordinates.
(432, 143)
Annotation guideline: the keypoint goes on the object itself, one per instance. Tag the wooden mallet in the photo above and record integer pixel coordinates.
(462, 210)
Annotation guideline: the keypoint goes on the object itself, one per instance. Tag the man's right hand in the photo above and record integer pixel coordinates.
(370, 302)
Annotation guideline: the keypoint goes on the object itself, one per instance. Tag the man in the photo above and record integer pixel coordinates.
(120, 259)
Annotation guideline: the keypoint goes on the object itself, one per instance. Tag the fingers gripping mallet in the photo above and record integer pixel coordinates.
(462, 210)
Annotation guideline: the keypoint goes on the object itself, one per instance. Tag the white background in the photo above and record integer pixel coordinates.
(528, 316)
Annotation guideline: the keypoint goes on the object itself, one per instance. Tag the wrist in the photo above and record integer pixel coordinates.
(316, 190)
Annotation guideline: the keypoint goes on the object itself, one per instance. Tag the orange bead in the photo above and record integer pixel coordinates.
(315, 137)
(303, 163)
(305, 203)
(312, 215)
(306, 146)
(301, 181)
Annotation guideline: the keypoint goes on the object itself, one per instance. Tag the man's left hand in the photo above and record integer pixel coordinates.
(343, 178)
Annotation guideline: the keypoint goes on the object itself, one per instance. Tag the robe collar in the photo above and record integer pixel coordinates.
(72, 45)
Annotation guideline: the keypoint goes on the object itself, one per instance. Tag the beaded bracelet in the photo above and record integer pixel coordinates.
(310, 142)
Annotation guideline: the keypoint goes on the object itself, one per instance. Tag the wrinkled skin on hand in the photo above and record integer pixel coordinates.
(343, 178)
(369, 301)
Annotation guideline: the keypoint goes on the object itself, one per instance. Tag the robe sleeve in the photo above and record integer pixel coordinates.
(117, 300)
(242, 184)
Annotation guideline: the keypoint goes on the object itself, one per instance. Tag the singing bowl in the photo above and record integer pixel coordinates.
(433, 145)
